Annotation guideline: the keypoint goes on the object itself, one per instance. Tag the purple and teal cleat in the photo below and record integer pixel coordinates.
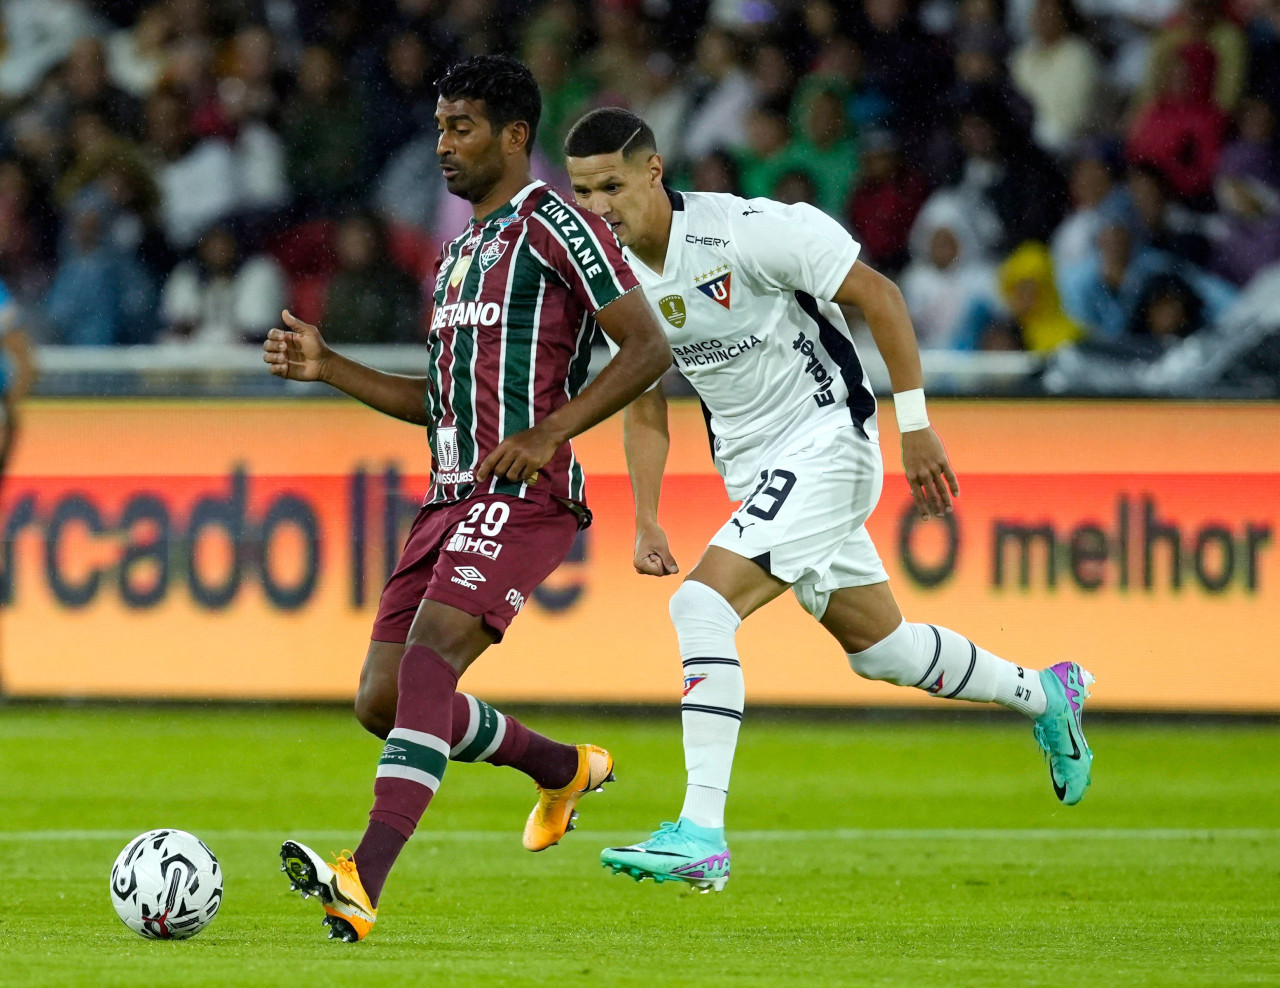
(1059, 730)
(680, 851)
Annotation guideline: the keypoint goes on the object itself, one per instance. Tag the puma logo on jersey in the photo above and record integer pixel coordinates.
(741, 527)
(466, 314)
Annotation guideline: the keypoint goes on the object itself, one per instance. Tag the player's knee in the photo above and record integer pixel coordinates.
(893, 659)
(376, 709)
(705, 622)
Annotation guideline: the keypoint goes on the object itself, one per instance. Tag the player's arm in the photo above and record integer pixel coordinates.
(642, 357)
(923, 457)
(299, 353)
(20, 351)
(645, 439)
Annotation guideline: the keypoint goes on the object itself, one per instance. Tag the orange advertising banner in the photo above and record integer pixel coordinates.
(233, 548)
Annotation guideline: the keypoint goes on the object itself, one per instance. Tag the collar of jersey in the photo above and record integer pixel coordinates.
(510, 207)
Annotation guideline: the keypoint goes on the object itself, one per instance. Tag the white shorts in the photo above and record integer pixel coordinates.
(805, 523)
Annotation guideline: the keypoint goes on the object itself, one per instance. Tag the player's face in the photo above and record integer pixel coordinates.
(618, 190)
(470, 152)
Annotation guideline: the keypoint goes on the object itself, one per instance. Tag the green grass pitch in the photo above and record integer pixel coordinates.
(865, 852)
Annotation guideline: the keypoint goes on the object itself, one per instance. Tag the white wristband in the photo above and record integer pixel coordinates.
(909, 408)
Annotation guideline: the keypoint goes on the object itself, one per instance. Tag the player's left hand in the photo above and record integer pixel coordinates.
(519, 457)
(933, 483)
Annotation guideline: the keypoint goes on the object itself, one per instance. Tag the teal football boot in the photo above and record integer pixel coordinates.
(680, 851)
(1060, 733)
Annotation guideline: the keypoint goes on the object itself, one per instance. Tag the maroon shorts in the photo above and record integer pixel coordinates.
(484, 555)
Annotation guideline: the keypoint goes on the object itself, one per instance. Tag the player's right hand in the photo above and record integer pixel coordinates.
(653, 556)
(297, 353)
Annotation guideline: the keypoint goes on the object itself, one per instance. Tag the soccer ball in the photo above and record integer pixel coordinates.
(166, 885)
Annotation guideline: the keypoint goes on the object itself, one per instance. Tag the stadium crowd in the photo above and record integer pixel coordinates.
(1033, 172)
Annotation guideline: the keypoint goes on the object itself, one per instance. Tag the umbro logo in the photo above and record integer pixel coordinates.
(468, 576)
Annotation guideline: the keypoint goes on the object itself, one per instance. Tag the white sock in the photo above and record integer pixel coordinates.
(704, 806)
(947, 665)
(714, 695)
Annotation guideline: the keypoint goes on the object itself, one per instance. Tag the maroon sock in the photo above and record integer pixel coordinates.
(482, 733)
(412, 763)
(378, 850)
(550, 764)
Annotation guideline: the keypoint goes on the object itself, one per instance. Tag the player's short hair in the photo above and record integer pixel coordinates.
(506, 86)
(609, 129)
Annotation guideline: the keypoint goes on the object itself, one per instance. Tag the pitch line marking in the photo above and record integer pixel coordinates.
(763, 836)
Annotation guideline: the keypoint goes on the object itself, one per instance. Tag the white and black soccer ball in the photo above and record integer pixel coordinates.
(166, 885)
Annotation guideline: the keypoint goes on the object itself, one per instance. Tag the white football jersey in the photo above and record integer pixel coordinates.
(744, 300)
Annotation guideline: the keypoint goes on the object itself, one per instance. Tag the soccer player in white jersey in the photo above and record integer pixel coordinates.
(749, 294)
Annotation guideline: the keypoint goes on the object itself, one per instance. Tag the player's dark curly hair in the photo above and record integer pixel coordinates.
(507, 87)
(609, 129)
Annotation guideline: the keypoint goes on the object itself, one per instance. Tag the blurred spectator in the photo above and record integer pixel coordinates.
(28, 230)
(664, 106)
(717, 172)
(400, 100)
(197, 178)
(136, 56)
(907, 66)
(89, 90)
(1248, 195)
(1181, 131)
(95, 147)
(767, 153)
(1030, 293)
(949, 278)
(565, 93)
(822, 145)
(1058, 72)
(842, 60)
(1094, 200)
(723, 95)
(885, 202)
(323, 133)
(795, 186)
(99, 296)
(1264, 54)
(1159, 221)
(38, 34)
(254, 83)
(218, 298)
(370, 300)
(1105, 292)
(410, 188)
(1201, 23)
(1003, 169)
(616, 63)
(1169, 310)
(773, 75)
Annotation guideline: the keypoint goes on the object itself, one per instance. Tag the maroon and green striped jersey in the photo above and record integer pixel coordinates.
(510, 337)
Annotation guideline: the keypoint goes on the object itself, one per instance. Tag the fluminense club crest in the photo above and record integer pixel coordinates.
(490, 253)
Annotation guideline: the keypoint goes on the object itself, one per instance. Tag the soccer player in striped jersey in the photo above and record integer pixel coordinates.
(517, 298)
(749, 292)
